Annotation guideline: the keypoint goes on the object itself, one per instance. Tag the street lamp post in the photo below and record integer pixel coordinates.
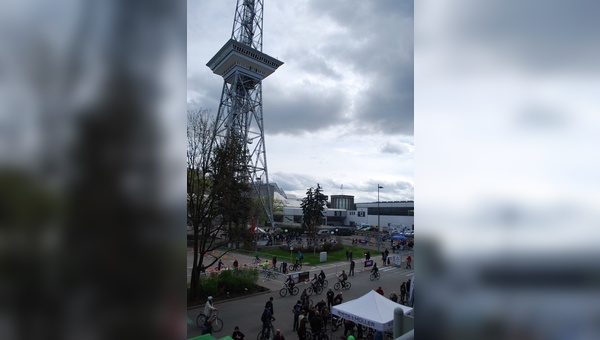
(378, 187)
(378, 223)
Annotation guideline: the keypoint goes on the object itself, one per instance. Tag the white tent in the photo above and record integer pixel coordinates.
(371, 310)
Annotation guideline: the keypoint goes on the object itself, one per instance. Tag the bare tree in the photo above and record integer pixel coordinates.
(199, 135)
(218, 191)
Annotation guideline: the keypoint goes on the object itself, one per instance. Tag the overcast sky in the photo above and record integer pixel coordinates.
(339, 111)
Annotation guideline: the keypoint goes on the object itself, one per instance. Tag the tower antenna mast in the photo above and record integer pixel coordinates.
(243, 66)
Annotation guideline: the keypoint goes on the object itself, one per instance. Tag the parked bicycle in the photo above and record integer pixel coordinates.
(217, 324)
(322, 335)
(375, 276)
(286, 289)
(338, 285)
(269, 274)
(336, 322)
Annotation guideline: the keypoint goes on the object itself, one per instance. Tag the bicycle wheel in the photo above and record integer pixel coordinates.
(325, 283)
(337, 286)
(200, 320)
(309, 291)
(335, 324)
(348, 285)
(318, 290)
(372, 277)
(217, 324)
(260, 336)
(295, 291)
(283, 292)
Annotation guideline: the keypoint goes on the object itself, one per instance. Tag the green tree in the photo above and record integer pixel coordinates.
(232, 188)
(313, 206)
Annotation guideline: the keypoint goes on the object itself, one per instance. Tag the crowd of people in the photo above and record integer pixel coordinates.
(307, 317)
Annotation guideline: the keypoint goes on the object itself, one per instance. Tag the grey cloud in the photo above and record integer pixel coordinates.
(298, 184)
(396, 149)
(380, 48)
(388, 107)
(302, 111)
(542, 35)
(208, 90)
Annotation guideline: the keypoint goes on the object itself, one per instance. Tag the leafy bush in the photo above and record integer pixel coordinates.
(229, 283)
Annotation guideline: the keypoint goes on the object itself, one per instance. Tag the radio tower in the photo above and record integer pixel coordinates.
(243, 66)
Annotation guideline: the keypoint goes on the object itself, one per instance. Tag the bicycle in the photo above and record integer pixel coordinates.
(286, 289)
(336, 322)
(217, 324)
(338, 285)
(270, 332)
(322, 335)
(374, 276)
(316, 288)
(269, 274)
(295, 266)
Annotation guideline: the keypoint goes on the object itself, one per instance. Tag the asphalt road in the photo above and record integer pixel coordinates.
(246, 312)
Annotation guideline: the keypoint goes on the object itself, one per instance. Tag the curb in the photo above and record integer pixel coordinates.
(234, 298)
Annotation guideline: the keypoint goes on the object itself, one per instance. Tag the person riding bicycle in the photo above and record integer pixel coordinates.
(343, 277)
(314, 282)
(374, 270)
(210, 309)
(290, 283)
(321, 277)
(257, 258)
(265, 265)
(296, 265)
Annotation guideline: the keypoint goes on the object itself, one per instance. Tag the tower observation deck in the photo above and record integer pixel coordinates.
(243, 66)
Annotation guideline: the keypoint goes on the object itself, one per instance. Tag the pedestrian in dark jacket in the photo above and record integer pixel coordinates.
(330, 295)
(402, 292)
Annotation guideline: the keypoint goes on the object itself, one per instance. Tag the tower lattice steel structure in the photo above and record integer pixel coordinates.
(243, 66)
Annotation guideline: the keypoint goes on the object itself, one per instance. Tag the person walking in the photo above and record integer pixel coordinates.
(380, 291)
(402, 292)
(350, 257)
(408, 261)
(394, 297)
(297, 310)
(302, 332)
(352, 264)
(219, 265)
(278, 335)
